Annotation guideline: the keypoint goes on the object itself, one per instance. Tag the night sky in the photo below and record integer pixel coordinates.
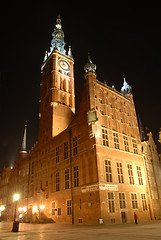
(120, 40)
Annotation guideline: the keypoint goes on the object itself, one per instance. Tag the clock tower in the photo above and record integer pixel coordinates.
(57, 95)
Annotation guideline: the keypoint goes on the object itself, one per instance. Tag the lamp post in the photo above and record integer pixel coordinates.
(15, 223)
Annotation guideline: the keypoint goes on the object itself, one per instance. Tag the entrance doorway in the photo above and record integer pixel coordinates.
(123, 217)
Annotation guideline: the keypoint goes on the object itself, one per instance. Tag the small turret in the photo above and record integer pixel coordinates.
(90, 66)
(126, 88)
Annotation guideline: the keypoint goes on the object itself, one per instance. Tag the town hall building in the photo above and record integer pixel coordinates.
(86, 168)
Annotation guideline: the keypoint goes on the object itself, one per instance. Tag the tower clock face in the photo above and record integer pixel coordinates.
(64, 65)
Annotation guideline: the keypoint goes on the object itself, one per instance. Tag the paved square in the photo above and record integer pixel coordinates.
(60, 232)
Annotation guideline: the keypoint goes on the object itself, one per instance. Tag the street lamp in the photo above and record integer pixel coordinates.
(15, 224)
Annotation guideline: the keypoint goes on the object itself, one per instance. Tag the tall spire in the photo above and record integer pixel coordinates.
(143, 136)
(58, 37)
(23, 147)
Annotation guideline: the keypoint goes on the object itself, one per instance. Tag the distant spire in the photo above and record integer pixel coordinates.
(23, 147)
(141, 129)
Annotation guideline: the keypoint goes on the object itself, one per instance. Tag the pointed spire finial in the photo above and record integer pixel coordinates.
(70, 50)
(23, 147)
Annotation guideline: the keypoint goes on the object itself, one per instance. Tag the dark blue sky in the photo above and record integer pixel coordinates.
(119, 40)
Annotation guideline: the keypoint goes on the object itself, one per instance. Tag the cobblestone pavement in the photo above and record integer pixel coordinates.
(61, 232)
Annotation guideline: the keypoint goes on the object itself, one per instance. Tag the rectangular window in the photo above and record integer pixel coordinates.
(76, 176)
(122, 200)
(130, 173)
(53, 206)
(57, 181)
(108, 171)
(57, 154)
(134, 200)
(126, 143)
(116, 140)
(74, 146)
(111, 204)
(69, 207)
(120, 172)
(144, 202)
(66, 178)
(65, 150)
(59, 211)
(140, 179)
(105, 137)
(134, 143)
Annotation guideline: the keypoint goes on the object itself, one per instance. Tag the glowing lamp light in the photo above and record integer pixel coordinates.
(16, 197)
(42, 207)
(24, 209)
(2, 208)
(34, 210)
(20, 209)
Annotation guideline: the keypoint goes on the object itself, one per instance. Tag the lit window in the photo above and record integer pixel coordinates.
(134, 143)
(120, 172)
(53, 206)
(126, 143)
(140, 180)
(134, 200)
(108, 171)
(69, 207)
(105, 137)
(144, 202)
(130, 173)
(57, 181)
(76, 176)
(66, 178)
(122, 200)
(111, 203)
(116, 140)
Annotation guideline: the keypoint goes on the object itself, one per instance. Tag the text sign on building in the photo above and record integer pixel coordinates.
(97, 187)
(91, 188)
(108, 187)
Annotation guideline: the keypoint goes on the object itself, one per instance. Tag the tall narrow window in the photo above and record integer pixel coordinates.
(122, 200)
(66, 178)
(120, 172)
(57, 154)
(144, 202)
(53, 206)
(108, 171)
(74, 146)
(116, 140)
(65, 150)
(140, 179)
(134, 143)
(69, 207)
(76, 176)
(57, 181)
(111, 203)
(134, 200)
(130, 173)
(126, 143)
(105, 137)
